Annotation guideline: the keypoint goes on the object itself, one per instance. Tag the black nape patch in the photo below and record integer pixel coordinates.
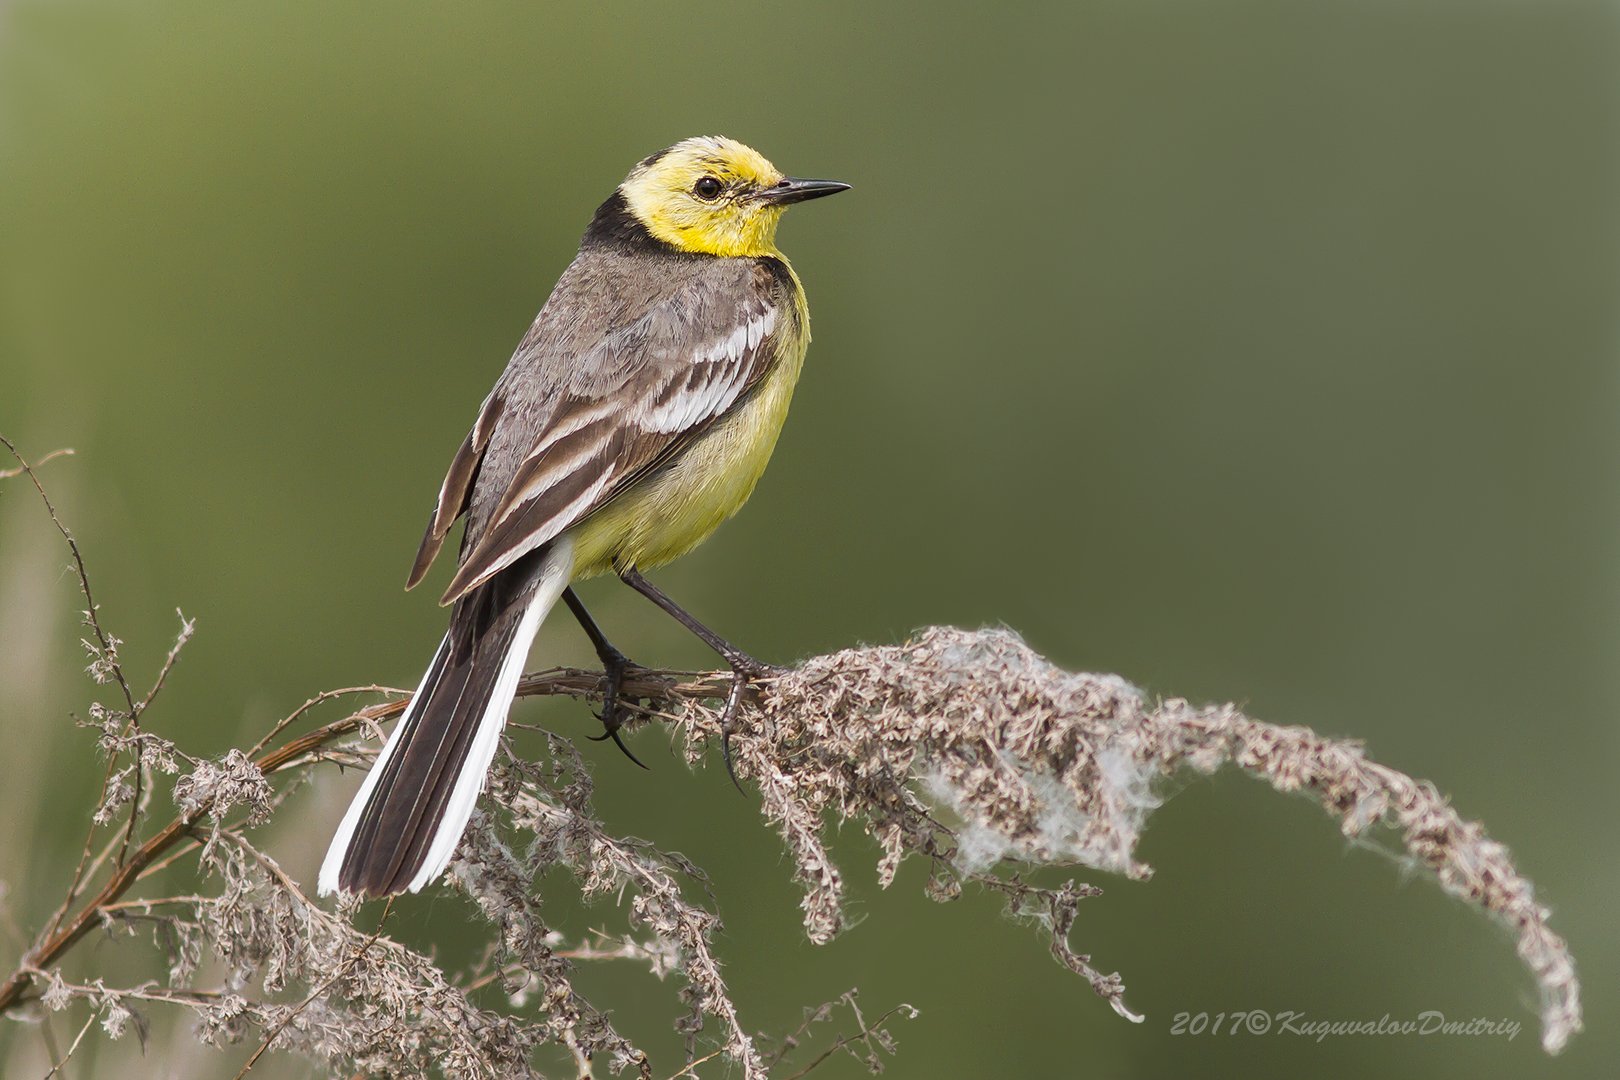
(615, 226)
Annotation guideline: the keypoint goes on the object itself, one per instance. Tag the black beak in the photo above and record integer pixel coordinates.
(791, 189)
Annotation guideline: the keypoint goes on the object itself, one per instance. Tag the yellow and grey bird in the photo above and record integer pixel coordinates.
(636, 415)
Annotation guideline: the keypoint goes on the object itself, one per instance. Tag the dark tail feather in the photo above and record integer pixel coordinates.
(391, 840)
(414, 807)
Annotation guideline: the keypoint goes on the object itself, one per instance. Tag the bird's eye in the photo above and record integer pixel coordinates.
(707, 188)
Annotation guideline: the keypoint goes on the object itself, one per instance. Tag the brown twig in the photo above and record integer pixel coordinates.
(319, 699)
(108, 651)
(187, 628)
(866, 1032)
(56, 1069)
(65, 935)
(8, 474)
(569, 682)
(690, 1066)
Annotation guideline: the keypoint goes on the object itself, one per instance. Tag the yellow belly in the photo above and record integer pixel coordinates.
(674, 510)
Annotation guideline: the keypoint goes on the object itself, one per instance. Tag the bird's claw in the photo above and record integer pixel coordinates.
(613, 675)
(744, 669)
(613, 733)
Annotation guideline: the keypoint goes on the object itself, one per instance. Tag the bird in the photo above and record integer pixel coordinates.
(635, 416)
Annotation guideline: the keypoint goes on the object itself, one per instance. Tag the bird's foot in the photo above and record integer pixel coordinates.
(615, 666)
(744, 670)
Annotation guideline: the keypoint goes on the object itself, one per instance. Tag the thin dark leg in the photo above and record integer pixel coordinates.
(614, 665)
(743, 666)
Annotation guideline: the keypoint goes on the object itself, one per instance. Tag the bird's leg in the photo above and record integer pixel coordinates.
(743, 666)
(614, 665)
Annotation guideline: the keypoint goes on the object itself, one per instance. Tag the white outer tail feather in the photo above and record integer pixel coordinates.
(333, 863)
(555, 571)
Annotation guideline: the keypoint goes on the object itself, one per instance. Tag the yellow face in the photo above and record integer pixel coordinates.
(715, 196)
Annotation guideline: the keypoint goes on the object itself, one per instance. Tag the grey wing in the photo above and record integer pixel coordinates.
(634, 394)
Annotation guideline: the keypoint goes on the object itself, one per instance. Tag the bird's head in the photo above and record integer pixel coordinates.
(715, 196)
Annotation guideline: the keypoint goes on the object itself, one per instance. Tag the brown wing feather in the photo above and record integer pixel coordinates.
(457, 487)
(676, 370)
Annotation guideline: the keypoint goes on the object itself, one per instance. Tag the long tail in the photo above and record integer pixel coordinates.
(408, 817)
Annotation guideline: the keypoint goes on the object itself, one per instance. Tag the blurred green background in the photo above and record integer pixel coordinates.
(1255, 351)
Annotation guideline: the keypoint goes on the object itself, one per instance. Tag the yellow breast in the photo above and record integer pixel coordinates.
(675, 509)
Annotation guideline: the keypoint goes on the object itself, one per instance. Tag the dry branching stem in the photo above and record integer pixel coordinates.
(961, 749)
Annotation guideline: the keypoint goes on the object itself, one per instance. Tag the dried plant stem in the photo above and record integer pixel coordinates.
(865, 1034)
(281, 1025)
(963, 749)
(572, 682)
(61, 1062)
(7, 474)
(106, 648)
(105, 643)
(125, 874)
(1358, 791)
